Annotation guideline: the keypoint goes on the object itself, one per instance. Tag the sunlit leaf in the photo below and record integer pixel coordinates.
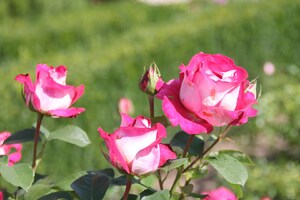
(38, 190)
(230, 168)
(161, 195)
(57, 195)
(20, 175)
(238, 190)
(70, 134)
(243, 158)
(65, 183)
(173, 164)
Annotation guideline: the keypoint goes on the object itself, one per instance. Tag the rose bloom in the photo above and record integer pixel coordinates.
(220, 193)
(125, 106)
(211, 90)
(1, 195)
(13, 151)
(49, 94)
(135, 147)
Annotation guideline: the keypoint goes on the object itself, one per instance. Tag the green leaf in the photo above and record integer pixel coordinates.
(181, 139)
(57, 195)
(91, 186)
(197, 196)
(132, 197)
(173, 164)
(70, 134)
(3, 159)
(187, 189)
(161, 195)
(230, 168)
(24, 135)
(122, 180)
(243, 158)
(38, 190)
(20, 175)
(161, 119)
(238, 190)
(146, 192)
(65, 184)
(196, 173)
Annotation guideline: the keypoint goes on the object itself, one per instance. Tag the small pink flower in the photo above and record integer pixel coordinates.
(135, 147)
(211, 90)
(269, 68)
(13, 151)
(220, 193)
(1, 195)
(125, 106)
(49, 94)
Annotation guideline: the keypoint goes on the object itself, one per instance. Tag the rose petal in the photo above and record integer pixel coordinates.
(166, 154)
(115, 155)
(70, 112)
(146, 160)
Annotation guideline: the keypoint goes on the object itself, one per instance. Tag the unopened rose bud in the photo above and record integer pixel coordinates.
(151, 80)
(252, 88)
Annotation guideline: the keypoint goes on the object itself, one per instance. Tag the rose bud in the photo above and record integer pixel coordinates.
(151, 81)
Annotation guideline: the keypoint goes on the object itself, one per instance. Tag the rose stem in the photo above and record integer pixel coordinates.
(188, 145)
(151, 109)
(128, 186)
(36, 138)
(151, 105)
(180, 170)
(219, 139)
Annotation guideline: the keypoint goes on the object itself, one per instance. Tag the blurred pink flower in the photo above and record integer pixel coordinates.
(13, 151)
(269, 68)
(125, 106)
(220, 193)
(1, 195)
(49, 94)
(135, 147)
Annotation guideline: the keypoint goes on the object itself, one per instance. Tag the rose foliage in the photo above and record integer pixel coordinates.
(211, 92)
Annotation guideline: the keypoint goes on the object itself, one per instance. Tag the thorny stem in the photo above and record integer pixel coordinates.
(36, 138)
(188, 145)
(180, 170)
(219, 139)
(128, 186)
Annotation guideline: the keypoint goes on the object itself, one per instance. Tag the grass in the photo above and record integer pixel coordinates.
(105, 47)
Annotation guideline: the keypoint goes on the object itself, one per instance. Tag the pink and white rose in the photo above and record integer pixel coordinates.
(220, 193)
(49, 94)
(135, 147)
(211, 91)
(12, 151)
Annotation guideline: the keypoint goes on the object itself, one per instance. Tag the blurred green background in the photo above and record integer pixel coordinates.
(106, 44)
